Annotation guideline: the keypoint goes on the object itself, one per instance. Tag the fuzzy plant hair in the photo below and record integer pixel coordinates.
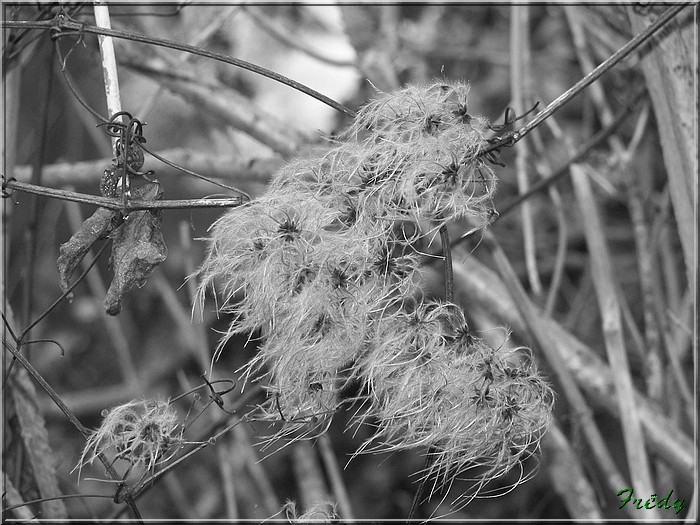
(144, 433)
(324, 266)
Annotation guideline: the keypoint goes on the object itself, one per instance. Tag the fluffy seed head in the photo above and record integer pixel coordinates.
(429, 386)
(142, 432)
(324, 262)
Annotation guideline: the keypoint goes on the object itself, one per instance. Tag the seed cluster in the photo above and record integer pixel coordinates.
(323, 265)
(142, 432)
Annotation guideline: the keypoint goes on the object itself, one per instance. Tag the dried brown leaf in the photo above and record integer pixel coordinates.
(96, 227)
(137, 248)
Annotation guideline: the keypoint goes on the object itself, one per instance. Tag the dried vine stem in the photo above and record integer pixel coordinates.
(511, 138)
(71, 417)
(115, 204)
(563, 170)
(62, 23)
(449, 297)
(520, 89)
(21, 338)
(209, 436)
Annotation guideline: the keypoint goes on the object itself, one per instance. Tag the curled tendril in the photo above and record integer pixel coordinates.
(217, 397)
(511, 118)
(509, 139)
(130, 148)
(129, 138)
(129, 154)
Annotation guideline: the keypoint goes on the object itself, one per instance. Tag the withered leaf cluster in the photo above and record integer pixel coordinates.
(137, 246)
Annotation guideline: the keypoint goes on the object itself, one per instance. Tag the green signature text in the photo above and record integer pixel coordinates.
(651, 502)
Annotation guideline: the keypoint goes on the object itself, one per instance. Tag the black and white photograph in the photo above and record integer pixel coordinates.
(411, 262)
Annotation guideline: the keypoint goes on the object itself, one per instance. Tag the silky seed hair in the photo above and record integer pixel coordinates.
(144, 433)
(472, 404)
(324, 263)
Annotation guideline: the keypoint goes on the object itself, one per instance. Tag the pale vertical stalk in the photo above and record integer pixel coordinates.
(225, 454)
(109, 64)
(199, 336)
(568, 476)
(547, 341)
(307, 471)
(563, 231)
(519, 64)
(648, 274)
(587, 65)
(256, 471)
(560, 258)
(670, 69)
(654, 369)
(479, 285)
(13, 497)
(672, 283)
(335, 477)
(603, 279)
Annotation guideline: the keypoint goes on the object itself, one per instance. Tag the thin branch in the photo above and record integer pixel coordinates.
(61, 497)
(447, 256)
(65, 294)
(114, 204)
(336, 479)
(243, 170)
(61, 24)
(71, 417)
(194, 174)
(20, 339)
(603, 280)
(520, 64)
(511, 138)
(562, 232)
(449, 297)
(202, 443)
(582, 153)
(203, 37)
(71, 87)
(223, 103)
(30, 237)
